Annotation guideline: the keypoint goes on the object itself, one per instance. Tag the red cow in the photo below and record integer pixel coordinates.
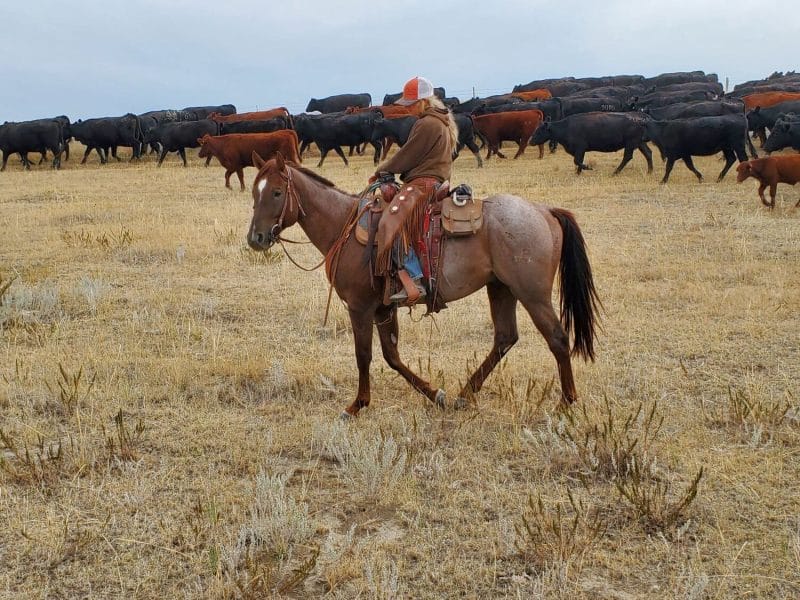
(515, 126)
(260, 115)
(235, 151)
(533, 95)
(765, 99)
(771, 171)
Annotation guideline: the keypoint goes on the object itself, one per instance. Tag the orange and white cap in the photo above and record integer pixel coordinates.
(415, 89)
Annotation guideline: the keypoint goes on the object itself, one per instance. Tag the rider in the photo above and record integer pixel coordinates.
(425, 161)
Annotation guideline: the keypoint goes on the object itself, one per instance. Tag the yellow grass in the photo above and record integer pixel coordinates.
(178, 397)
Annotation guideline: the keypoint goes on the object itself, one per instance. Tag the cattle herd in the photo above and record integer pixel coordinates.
(682, 114)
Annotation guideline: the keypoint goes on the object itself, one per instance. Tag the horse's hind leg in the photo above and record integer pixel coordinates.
(386, 321)
(548, 324)
(503, 306)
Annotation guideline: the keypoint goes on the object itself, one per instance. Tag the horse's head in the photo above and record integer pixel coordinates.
(275, 202)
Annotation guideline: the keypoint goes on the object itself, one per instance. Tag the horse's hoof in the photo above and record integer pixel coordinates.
(460, 403)
(346, 416)
(440, 399)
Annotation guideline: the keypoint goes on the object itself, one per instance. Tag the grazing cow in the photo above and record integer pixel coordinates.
(515, 126)
(177, 136)
(703, 136)
(235, 151)
(204, 112)
(338, 103)
(439, 92)
(533, 95)
(771, 171)
(466, 137)
(785, 134)
(259, 115)
(331, 132)
(32, 136)
(598, 132)
(107, 133)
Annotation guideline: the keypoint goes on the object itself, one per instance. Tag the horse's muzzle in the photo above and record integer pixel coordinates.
(258, 240)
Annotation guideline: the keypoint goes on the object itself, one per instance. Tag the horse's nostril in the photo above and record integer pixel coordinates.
(260, 238)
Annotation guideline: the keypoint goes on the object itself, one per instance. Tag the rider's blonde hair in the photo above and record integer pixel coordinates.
(435, 102)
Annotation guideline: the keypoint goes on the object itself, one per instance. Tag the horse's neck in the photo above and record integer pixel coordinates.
(326, 211)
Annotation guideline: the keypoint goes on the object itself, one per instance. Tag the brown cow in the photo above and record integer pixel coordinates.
(516, 126)
(260, 115)
(533, 95)
(235, 150)
(771, 171)
(765, 99)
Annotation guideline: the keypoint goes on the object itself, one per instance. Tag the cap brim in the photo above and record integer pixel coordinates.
(404, 102)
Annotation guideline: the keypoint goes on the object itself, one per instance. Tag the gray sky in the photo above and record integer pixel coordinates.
(91, 59)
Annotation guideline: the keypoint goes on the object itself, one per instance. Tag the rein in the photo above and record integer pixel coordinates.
(292, 197)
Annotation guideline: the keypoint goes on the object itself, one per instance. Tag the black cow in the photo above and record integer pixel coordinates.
(31, 136)
(658, 99)
(679, 77)
(265, 126)
(575, 106)
(389, 131)
(66, 136)
(785, 134)
(331, 132)
(538, 84)
(466, 137)
(703, 108)
(764, 118)
(439, 92)
(715, 87)
(622, 92)
(179, 135)
(108, 133)
(475, 105)
(338, 103)
(703, 136)
(597, 132)
(203, 112)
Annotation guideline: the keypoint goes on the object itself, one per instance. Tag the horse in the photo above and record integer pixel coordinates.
(515, 256)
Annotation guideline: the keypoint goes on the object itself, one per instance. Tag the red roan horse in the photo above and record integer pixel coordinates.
(515, 255)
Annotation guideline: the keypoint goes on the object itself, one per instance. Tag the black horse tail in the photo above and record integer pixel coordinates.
(580, 303)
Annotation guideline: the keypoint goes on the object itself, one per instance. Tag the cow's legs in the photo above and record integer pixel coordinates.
(473, 147)
(541, 151)
(5, 160)
(114, 153)
(761, 189)
(773, 189)
(338, 151)
(668, 170)
(648, 155)
(323, 154)
(228, 174)
(626, 158)
(578, 160)
(376, 159)
(386, 321)
(687, 160)
(208, 159)
(730, 158)
(240, 175)
(362, 336)
(86, 154)
(523, 143)
(750, 146)
(162, 156)
(503, 306)
(182, 152)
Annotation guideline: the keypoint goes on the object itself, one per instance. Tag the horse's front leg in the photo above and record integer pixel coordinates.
(362, 336)
(386, 320)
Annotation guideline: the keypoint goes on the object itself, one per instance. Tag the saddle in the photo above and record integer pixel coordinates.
(451, 212)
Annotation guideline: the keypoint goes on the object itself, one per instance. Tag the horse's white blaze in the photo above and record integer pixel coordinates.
(261, 185)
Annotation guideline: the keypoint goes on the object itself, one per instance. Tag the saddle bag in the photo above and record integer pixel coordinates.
(461, 213)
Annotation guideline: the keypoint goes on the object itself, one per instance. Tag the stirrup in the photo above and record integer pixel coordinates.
(412, 289)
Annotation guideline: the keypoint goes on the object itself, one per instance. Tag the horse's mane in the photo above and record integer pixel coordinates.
(308, 172)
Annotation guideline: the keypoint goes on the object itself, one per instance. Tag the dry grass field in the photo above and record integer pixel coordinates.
(169, 402)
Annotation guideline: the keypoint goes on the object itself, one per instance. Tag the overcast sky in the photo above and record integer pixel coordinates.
(91, 59)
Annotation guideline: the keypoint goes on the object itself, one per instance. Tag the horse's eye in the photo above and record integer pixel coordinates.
(276, 193)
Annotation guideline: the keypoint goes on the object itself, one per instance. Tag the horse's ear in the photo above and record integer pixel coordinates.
(258, 162)
(280, 162)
